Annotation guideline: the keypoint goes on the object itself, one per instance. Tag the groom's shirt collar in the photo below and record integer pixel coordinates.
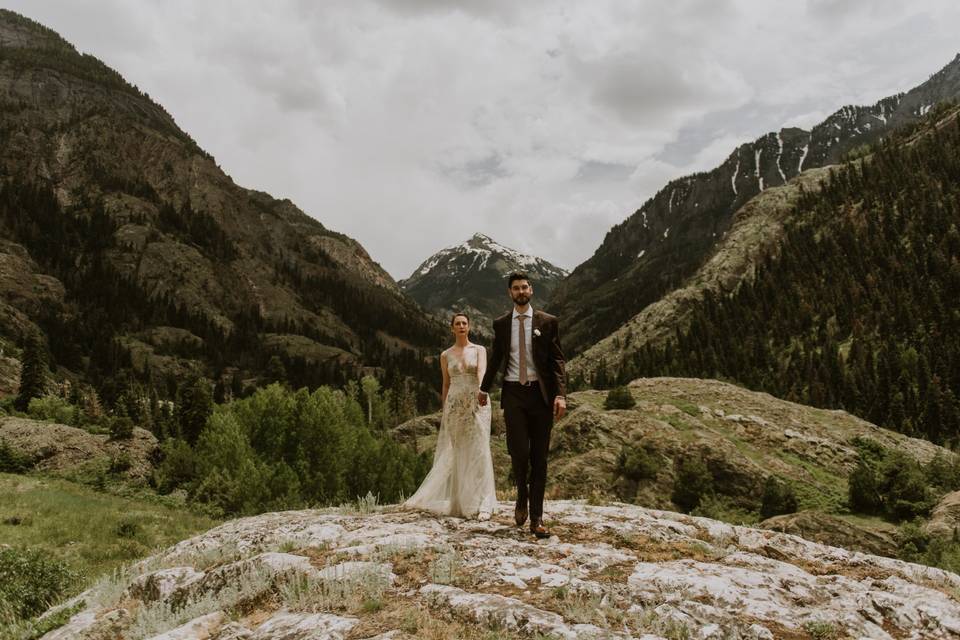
(528, 314)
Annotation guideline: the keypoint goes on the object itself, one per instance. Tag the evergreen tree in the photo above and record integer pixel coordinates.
(275, 371)
(33, 374)
(194, 407)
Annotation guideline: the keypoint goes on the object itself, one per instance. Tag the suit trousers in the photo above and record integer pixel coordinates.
(529, 421)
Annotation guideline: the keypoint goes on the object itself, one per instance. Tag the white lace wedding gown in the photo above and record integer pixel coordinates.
(460, 483)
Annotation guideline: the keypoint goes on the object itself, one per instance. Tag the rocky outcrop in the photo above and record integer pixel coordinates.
(944, 522)
(9, 375)
(878, 539)
(613, 571)
(55, 447)
(24, 291)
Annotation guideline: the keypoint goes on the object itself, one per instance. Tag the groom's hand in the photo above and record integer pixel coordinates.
(481, 398)
(559, 407)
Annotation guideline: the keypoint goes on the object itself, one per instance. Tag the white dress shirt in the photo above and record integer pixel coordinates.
(513, 364)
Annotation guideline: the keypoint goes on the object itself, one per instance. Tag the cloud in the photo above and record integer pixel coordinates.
(499, 9)
(645, 89)
(541, 124)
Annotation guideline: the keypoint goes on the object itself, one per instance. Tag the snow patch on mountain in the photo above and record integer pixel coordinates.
(780, 153)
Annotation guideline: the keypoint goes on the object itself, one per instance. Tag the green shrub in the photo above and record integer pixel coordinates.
(869, 450)
(890, 483)
(637, 463)
(691, 483)
(12, 461)
(912, 542)
(823, 630)
(904, 487)
(52, 409)
(119, 463)
(619, 398)
(913, 545)
(31, 581)
(863, 489)
(121, 428)
(177, 468)
(778, 498)
(943, 472)
(127, 529)
(35, 628)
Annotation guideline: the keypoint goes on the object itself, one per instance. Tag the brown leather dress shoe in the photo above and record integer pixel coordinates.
(537, 529)
(520, 514)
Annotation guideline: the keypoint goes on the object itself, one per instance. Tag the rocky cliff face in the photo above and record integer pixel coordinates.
(614, 571)
(664, 242)
(113, 221)
(471, 277)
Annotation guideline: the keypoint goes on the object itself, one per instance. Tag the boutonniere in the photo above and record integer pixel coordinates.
(536, 333)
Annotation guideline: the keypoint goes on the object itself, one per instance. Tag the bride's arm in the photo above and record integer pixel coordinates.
(446, 378)
(481, 362)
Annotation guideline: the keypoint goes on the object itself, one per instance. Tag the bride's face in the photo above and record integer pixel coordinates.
(460, 326)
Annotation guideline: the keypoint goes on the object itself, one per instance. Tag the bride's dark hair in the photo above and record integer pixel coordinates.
(457, 315)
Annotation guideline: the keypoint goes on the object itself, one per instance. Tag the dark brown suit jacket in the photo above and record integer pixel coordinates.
(547, 355)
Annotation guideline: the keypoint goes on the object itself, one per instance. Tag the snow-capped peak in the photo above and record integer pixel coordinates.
(475, 254)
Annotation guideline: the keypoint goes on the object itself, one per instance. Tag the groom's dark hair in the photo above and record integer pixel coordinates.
(516, 275)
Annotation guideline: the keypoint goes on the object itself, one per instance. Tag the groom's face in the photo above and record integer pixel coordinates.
(520, 292)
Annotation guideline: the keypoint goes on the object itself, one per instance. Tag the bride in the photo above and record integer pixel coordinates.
(460, 483)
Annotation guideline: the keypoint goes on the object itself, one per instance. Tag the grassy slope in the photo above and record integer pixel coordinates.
(94, 532)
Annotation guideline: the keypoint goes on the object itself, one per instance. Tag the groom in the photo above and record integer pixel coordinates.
(527, 344)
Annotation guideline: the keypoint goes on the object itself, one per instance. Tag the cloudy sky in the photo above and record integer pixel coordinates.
(412, 124)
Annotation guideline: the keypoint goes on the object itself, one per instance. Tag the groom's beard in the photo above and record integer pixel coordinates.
(521, 300)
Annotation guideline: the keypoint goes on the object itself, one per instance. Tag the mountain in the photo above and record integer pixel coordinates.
(615, 571)
(471, 277)
(833, 290)
(132, 251)
(664, 242)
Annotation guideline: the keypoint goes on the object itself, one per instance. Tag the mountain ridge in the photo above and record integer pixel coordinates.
(656, 248)
(828, 291)
(102, 192)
